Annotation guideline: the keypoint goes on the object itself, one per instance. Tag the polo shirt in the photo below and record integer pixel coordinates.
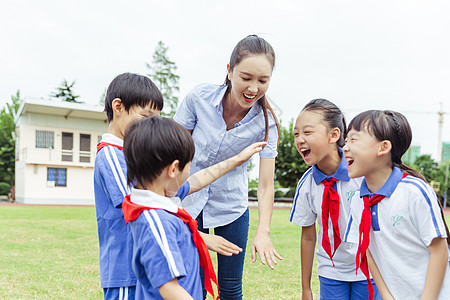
(201, 111)
(163, 247)
(307, 208)
(115, 241)
(404, 224)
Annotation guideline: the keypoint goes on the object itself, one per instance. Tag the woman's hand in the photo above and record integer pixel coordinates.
(263, 246)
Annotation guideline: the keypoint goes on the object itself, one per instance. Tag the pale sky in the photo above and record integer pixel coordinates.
(358, 54)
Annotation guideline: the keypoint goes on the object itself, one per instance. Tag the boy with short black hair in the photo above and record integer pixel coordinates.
(129, 97)
(132, 97)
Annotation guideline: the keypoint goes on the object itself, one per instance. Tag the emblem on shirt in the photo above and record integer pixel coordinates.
(350, 195)
(396, 220)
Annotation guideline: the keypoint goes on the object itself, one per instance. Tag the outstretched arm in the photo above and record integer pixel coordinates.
(437, 266)
(261, 242)
(202, 178)
(220, 245)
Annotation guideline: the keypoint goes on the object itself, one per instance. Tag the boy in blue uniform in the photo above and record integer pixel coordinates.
(129, 97)
(166, 251)
(132, 97)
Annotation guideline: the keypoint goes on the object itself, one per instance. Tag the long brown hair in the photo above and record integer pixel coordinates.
(255, 45)
(394, 127)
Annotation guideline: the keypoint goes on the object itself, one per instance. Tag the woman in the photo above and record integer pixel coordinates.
(223, 120)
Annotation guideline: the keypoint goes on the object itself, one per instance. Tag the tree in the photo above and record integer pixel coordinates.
(7, 141)
(162, 72)
(289, 164)
(431, 170)
(65, 92)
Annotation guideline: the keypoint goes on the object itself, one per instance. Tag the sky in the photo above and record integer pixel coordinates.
(358, 54)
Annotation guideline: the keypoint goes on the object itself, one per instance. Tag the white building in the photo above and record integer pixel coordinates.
(55, 151)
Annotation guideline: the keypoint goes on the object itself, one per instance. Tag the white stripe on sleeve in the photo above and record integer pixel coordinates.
(115, 168)
(160, 236)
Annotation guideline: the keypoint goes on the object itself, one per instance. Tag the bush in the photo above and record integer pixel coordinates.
(252, 193)
(279, 194)
(290, 193)
(5, 188)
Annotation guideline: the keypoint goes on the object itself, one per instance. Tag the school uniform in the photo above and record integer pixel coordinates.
(307, 208)
(163, 247)
(115, 241)
(404, 224)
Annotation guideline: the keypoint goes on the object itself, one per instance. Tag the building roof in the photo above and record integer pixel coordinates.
(61, 108)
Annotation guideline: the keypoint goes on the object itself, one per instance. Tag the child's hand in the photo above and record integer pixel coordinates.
(248, 152)
(307, 294)
(220, 245)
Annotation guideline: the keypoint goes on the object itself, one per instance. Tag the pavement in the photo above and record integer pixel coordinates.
(251, 204)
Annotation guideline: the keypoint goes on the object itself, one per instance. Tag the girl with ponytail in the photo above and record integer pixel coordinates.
(398, 223)
(324, 194)
(223, 120)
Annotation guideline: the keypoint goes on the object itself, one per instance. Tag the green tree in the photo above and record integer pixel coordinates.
(7, 140)
(431, 170)
(65, 92)
(289, 166)
(162, 72)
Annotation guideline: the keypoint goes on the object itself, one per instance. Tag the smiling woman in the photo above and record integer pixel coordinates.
(223, 120)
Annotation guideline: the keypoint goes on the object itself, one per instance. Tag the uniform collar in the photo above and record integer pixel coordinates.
(388, 187)
(340, 174)
(153, 200)
(110, 138)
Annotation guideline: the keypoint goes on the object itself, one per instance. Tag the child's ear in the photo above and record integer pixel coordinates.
(228, 72)
(173, 168)
(385, 148)
(117, 106)
(335, 134)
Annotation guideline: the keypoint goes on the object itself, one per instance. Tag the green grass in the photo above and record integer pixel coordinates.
(48, 253)
(52, 253)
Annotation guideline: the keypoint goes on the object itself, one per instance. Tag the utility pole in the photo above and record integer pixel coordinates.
(440, 124)
(446, 185)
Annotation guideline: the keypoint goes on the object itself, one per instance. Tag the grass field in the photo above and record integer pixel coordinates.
(52, 253)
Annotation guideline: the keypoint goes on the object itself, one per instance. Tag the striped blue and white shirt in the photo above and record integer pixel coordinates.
(115, 241)
(163, 247)
(404, 224)
(201, 111)
(307, 208)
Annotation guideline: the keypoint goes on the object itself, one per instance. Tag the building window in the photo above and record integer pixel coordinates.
(44, 139)
(56, 176)
(67, 146)
(85, 148)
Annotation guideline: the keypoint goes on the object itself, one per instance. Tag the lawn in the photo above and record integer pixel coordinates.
(52, 253)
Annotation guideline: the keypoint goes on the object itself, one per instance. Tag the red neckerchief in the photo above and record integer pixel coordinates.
(330, 208)
(131, 212)
(364, 237)
(103, 144)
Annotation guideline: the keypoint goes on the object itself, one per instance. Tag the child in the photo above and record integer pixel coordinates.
(407, 230)
(165, 250)
(324, 193)
(131, 97)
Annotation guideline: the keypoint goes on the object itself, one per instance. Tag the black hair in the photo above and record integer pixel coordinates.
(152, 144)
(332, 116)
(254, 45)
(394, 127)
(132, 89)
